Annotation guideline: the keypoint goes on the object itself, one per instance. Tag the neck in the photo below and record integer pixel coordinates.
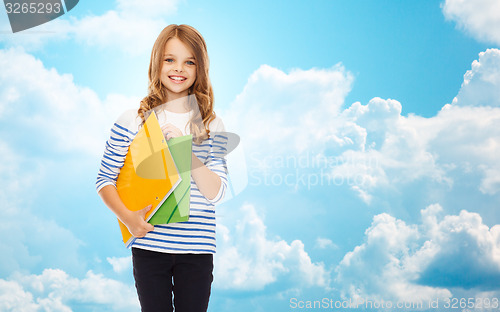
(177, 105)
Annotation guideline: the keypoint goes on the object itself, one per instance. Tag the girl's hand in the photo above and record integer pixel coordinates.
(171, 131)
(136, 224)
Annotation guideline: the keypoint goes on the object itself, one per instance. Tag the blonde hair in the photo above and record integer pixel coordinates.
(201, 88)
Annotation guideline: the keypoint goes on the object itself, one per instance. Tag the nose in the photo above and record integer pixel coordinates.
(178, 67)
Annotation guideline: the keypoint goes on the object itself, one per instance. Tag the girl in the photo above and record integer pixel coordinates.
(174, 259)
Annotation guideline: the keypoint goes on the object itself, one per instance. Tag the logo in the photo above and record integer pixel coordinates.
(31, 13)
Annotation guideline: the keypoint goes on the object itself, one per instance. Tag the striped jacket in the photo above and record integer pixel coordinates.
(198, 234)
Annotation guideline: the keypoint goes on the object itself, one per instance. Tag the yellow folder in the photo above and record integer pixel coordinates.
(149, 174)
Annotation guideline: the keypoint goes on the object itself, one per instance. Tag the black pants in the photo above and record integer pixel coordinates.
(158, 275)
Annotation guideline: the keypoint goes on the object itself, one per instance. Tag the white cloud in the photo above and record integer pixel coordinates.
(14, 298)
(32, 240)
(467, 139)
(55, 290)
(132, 27)
(118, 30)
(461, 243)
(415, 263)
(325, 243)
(248, 260)
(300, 106)
(479, 18)
(120, 264)
(48, 109)
(481, 86)
(294, 117)
(393, 149)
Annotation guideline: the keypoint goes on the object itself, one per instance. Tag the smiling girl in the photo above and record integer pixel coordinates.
(173, 259)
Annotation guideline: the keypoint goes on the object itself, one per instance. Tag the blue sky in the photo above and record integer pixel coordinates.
(368, 165)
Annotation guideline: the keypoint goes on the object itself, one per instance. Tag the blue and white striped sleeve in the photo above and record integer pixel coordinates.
(115, 150)
(216, 158)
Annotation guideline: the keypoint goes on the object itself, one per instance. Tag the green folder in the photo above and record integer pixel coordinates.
(176, 207)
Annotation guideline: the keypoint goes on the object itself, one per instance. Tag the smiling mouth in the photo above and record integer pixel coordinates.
(177, 78)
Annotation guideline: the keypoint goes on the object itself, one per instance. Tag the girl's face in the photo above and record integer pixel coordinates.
(178, 71)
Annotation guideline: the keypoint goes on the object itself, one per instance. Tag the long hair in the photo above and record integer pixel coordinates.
(201, 88)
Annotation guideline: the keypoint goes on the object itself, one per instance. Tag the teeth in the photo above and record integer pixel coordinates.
(177, 78)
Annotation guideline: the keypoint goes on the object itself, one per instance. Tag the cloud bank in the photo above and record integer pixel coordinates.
(369, 147)
(422, 262)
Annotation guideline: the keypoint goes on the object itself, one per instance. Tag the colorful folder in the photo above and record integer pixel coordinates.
(149, 174)
(176, 206)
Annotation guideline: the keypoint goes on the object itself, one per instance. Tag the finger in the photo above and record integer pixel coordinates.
(165, 131)
(145, 210)
(145, 228)
(168, 133)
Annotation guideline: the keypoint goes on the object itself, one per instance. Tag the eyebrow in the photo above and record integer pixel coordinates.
(189, 58)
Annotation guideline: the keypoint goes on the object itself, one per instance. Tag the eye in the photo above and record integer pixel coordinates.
(169, 60)
(190, 63)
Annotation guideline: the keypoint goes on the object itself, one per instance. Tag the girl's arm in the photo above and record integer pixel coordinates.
(208, 182)
(133, 220)
(210, 178)
(115, 151)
